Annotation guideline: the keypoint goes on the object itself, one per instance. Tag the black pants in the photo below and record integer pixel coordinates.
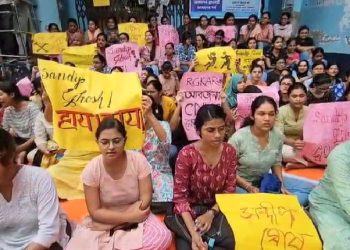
(8, 42)
(224, 241)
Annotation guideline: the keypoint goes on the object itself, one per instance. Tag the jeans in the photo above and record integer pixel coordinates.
(8, 42)
(298, 186)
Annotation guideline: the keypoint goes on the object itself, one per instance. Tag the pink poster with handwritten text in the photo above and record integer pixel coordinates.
(326, 125)
(167, 34)
(126, 56)
(230, 32)
(244, 102)
(198, 89)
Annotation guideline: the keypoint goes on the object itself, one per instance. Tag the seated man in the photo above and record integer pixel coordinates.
(330, 201)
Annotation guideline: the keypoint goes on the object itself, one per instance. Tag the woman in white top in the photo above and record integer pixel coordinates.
(284, 27)
(29, 207)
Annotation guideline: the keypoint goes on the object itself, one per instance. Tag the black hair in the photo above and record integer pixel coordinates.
(7, 148)
(93, 20)
(303, 27)
(289, 72)
(227, 16)
(207, 113)
(109, 123)
(220, 33)
(50, 26)
(102, 34)
(37, 86)
(286, 14)
(205, 41)
(120, 69)
(255, 66)
(72, 20)
(288, 77)
(274, 39)
(290, 40)
(157, 109)
(212, 17)
(321, 79)
(187, 14)
(164, 17)
(317, 64)
(346, 93)
(113, 18)
(296, 85)
(10, 87)
(268, 13)
(125, 34)
(253, 16)
(250, 39)
(150, 17)
(69, 64)
(186, 35)
(134, 18)
(156, 84)
(255, 61)
(299, 75)
(203, 16)
(318, 50)
(153, 50)
(167, 67)
(258, 101)
(252, 89)
(101, 58)
(171, 44)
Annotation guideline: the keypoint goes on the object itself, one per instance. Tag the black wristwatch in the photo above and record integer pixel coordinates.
(215, 212)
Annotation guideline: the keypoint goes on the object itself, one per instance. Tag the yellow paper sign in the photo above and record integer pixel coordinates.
(246, 57)
(268, 222)
(81, 56)
(100, 3)
(218, 59)
(136, 31)
(82, 98)
(49, 43)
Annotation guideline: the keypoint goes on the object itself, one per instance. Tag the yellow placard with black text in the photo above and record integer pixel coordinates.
(268, 222)
(136, 31)
(49, 43)
(80, 56)
(82, 98)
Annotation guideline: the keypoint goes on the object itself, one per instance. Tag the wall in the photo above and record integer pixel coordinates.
(329, 21)
(47, 12)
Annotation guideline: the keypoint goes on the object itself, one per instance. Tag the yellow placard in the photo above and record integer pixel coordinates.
(100, 3)
(81, 56)
(268, 222)
(136, 31)
(49, 43)
(82, 98)
(246, 57)
(218, 59)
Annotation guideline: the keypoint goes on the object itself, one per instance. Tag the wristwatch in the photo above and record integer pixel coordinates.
(214, 211)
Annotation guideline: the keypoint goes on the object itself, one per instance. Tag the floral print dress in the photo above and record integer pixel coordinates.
(157, 154)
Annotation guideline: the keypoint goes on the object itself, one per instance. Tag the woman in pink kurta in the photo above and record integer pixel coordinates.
(118, 191)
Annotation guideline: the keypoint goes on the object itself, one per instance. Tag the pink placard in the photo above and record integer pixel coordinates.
(244, 102)
(230, 32)
(25, 86)
(126, 56)
(198, 89)
(326, 125)
(167, 34)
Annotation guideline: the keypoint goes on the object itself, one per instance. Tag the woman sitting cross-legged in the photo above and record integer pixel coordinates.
(259, 149)
(118, 193)
(203, 169)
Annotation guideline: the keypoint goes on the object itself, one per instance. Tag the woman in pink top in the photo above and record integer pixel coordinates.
(252, 29)
(256, 72)
(229, 20)
(293, 56)
(149, 53)
(92, 32)
(266, 33)
(118, 192)
(203, 169)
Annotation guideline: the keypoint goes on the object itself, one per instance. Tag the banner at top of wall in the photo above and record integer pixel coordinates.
(218, 8)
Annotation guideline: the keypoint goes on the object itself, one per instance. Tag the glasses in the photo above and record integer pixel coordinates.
(286, 83)
(116, 142)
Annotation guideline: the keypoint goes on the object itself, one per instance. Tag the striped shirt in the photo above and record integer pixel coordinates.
(22, 122)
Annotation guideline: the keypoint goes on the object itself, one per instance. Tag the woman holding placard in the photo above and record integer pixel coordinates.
(149, 53)
(259, 150)
(203, 169)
